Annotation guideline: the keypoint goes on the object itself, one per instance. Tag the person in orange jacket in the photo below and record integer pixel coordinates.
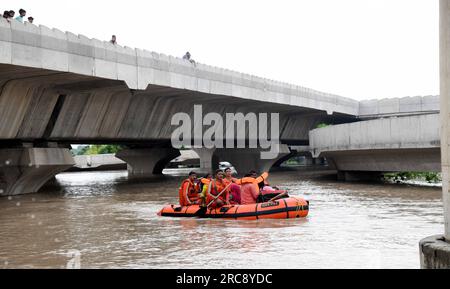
(249, 191)
(217, 186)
(189, 191)
(235, 189)
(252, 177)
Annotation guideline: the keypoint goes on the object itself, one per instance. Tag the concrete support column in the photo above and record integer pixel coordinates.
(208, 160)
(147, 162)
(445, 106)
(245, 160)
(435, 251)
(26, 170)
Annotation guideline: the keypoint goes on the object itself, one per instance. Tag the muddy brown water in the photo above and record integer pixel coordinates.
(100, 220)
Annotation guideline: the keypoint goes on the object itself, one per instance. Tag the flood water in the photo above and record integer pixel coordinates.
(100, 220)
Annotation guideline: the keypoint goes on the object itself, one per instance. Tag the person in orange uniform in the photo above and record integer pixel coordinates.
(217, 186)
(235, 189)
(229, 176)
(252, 177)
(204, 184)
(251, 186)
(189, 191)
(249, 192)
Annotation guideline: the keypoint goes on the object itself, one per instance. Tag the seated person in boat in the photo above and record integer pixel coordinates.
(204, 183)
(268, 193)
(252, 187)
(218, 191)
(252, 177)
(189, 192)
(249, 190)
(261, 180)
(235, 189)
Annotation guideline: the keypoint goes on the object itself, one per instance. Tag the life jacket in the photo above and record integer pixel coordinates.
(260, 179)
(255, 182)
(214, 189)
(204, 182)
(232, 180)
(188, 193)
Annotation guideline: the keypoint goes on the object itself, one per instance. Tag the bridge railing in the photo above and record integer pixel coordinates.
(399, 106)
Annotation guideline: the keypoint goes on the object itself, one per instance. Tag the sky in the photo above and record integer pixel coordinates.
(362, 49)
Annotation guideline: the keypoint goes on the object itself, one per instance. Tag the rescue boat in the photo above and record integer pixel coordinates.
(288, 208)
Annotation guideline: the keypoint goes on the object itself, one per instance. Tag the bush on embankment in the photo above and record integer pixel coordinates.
(429, 177)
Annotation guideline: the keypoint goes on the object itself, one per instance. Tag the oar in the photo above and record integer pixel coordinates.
(278, 197)
(202, 210)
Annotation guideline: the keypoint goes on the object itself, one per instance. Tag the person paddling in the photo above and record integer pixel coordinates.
(217, 186)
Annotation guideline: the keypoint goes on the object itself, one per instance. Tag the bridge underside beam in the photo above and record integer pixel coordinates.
(147, 162)
(26, 170)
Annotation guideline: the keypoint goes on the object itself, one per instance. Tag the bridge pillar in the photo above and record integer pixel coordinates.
(208, 160)
(147, 162)
(26, 170)
(245, 160)
(435, 251)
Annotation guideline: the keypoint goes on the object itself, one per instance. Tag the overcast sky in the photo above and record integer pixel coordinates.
(362, 49)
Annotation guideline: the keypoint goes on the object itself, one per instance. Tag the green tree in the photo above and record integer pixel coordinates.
(97, 150)
(322, 125)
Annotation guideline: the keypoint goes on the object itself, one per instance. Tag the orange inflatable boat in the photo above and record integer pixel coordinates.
(289, 208)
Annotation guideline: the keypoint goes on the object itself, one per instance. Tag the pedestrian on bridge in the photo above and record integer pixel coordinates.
(6, 15)
(113, 40)
(11, 14)
(22, 14)
(187, 57)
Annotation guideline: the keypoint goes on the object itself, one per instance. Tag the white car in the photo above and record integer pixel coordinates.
(225, 165)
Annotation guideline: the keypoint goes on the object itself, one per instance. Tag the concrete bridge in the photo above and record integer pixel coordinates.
(104, 162)
(394, 107)
(58, 88)
(364, 149)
